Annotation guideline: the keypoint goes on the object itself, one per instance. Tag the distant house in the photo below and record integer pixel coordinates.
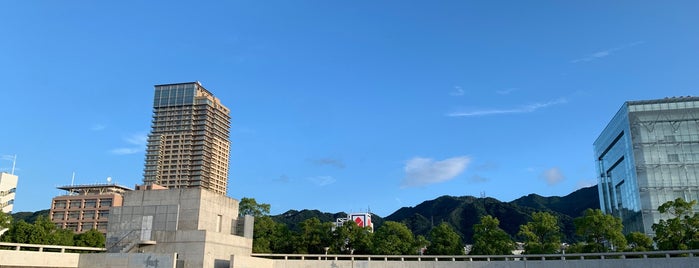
(361, 218)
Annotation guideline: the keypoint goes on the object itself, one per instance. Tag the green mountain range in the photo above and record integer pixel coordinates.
(465, 211)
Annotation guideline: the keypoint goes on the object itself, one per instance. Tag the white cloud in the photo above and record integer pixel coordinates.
(137, 139)
(522, 109)
(97, 127)
(552, 176)
(585, 183)
(328, 161)
(479, 179)
(458, 91)
(124, 151)
(137, 142)
(283, 179)
(322, 180)
(605, 53)
(424, 171)
(506, 91)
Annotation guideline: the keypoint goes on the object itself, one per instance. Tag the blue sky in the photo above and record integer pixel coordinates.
(336, 105)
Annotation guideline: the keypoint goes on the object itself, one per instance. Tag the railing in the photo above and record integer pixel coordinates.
(123, 241)
(472, 258)
(48, 248)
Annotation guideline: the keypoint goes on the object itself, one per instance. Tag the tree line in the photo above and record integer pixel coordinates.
(45, 232)
(596, 231)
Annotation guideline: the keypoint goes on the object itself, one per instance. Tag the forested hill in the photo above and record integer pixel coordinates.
(463, 212)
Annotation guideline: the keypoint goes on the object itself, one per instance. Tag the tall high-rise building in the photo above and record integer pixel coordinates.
(8, 186)
(189, 142)
(647, 155)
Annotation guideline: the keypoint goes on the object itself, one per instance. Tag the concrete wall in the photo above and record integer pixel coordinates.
(14, 258)
(122, 260)
(616, 263)
(252, 262)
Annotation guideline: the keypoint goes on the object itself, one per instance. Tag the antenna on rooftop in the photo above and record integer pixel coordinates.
(14, 160)
(109, 180)
(72, 180)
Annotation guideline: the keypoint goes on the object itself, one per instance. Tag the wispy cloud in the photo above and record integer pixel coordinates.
(585, 183)
(518, 110)
(478, 179)
(328, 161)
(458, 91)
(552, 176)
(137, 143)
(605, 53)
(97, 127)
(283, 179)
(506, 91)
(124, 151)
(322, 180)
(424, 171)
(137, 139)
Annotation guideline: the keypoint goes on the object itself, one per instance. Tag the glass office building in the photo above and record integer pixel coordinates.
(647, 155)
(189, 145)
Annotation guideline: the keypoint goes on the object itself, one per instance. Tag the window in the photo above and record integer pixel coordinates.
(75, 203)
(91, 203)
(89, 215)
(106, 203)
(73, 226)
(87, 226)
(103, 214)
(74, 215)
(58, 216)
(59, 204)
(673, 158)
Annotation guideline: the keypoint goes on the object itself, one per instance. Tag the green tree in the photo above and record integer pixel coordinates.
(394, 238)
(314, 236)
(542, 235)
(600, 232)
(18, 232)
(91, 238)
(265, 231)
(638, 241)
(490, 239)
(444, 241)
(421, 244)
(352, 239)
(682, 230)
(5, 220)
(249, 206)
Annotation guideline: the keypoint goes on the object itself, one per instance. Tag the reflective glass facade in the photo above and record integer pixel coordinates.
(189, 142)
(647, 155)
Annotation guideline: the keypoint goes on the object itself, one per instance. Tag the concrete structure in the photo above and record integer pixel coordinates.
(647, 155)
(34, 257)
(199, 226)
(86, 207)
(189, 142)
(8, 187)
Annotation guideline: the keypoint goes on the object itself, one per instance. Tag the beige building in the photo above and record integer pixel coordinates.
(188, 146)
(200, 227)
(86, 207)
(8, 186)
